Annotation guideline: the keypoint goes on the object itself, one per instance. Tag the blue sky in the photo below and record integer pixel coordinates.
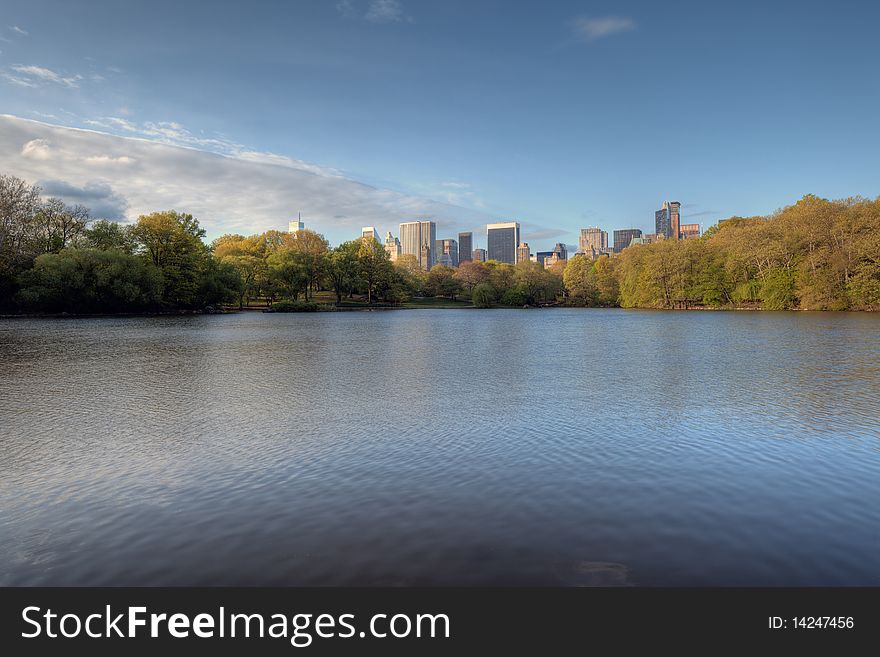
(558, 114)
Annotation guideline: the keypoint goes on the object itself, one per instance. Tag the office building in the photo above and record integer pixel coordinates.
(667, 221)
(540, 256)
(479, 255)
(297, 224)
(465, 247)
(392, 247)
(370, 232)
(690, 231)
(593, 240)
(503, 240)
(446, 253)
(523, 254)
(417, 238)
(622, 238)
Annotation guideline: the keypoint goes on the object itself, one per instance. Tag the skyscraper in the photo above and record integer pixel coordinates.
(622, 238)
(392, 247)
(593, 241)
(502, 240)
(297, 224)
(465, 247)
(667, 220)
(417, 238)
(523, 254)
(446, 253)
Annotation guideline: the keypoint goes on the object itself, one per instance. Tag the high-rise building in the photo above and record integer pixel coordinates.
(622, 238)
(667, 220)
(296, 224)
(593, 240)
(690, 231)
(465, 247)
(503, 240)
(417, 238)
(370, 231)
(480, 255)
(392, 247)
(523, 254)
(446, 253)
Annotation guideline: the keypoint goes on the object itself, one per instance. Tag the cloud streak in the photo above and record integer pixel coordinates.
(35, 76)
(241, 192)
(593, 29)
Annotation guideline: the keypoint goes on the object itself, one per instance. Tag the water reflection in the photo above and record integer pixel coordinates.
(563, 447)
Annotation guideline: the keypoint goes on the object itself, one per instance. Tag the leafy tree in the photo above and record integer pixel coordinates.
(90, 280)
(172, 242)
(442, 282)
(106, 235)
(342, 268)
(374, 267)
(483, 296)
(580, 280)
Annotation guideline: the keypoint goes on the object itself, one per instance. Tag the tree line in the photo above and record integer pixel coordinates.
(816, 254)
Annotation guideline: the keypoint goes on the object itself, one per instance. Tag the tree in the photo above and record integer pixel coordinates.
(172, 241)
(342, 268)
(443, 283)
(312, 248)
(289, 269)
(90, 280)
(58, 224)
(18, 205)
(483, 296)
(579, 278)
(106, 235)
(374, 266)
(471, 273)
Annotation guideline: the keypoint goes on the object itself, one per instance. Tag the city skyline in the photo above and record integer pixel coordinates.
(354, 125)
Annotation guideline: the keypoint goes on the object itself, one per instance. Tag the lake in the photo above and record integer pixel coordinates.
(557, 447)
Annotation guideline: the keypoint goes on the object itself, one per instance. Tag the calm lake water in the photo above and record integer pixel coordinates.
(439, 447)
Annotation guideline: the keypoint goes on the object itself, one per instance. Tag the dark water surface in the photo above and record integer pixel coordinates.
(435, 447)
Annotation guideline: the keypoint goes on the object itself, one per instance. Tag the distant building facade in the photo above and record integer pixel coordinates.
(593, 240)
(503, 240)
(392, 247)
(417, 238)
(623, 237)
(479, 255)
(690, 231)
(465, 247)
(667, 220)
(446, 252)
(296, 224)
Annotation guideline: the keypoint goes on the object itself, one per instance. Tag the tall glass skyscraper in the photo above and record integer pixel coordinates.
(503, 240)
(418, 238)
(465, 246)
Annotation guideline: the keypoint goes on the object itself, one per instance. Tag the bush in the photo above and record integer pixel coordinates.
(483, 296)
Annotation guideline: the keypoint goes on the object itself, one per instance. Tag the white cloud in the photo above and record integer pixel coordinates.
(18, 30)
(36, 149)
(347, 9)
(384, 11)
(33, 76)
(591, 29)
(243, 192)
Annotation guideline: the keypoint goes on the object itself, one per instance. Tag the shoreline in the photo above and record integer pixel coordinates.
(269, 311)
